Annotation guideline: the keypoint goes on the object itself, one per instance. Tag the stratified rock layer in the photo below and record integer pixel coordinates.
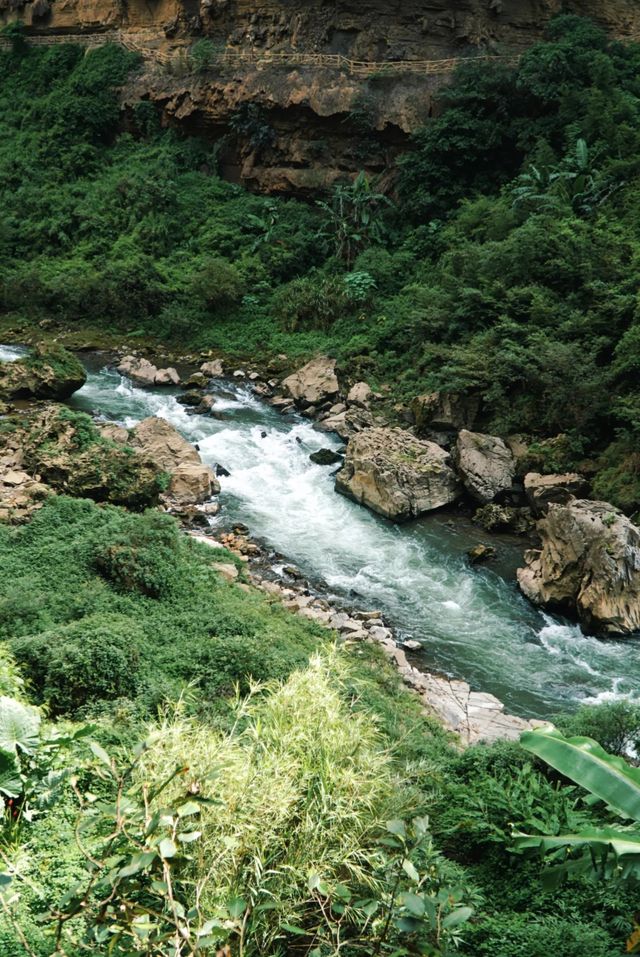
(589, 565)
(396, 474)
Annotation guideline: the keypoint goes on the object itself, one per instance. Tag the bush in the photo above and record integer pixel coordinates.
(72, 666)
(313, 302)
(218, 284)
(614, 724)
(143, 556)
(519, 936)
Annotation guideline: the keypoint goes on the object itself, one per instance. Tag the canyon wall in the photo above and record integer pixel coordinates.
(308, 124)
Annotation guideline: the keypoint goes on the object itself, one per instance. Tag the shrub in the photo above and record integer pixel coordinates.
(218, 284)
(142, 556)
(90, 660)
(313, 302)
(615, 725)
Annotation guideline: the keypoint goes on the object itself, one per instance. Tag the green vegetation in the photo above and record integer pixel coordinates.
(506, 259)
(288, 797)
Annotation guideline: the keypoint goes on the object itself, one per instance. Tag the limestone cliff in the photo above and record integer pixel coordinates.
(316, 123)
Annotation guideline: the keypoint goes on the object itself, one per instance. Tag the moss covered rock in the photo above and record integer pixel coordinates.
(49, 372)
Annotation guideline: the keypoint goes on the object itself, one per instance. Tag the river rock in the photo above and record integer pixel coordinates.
(504, 518)
(191, 480)
(167, 377)
(325, 457)
(396, 474)
(314, 383)
(542, 490)
(145, 373)
(485, 463)
(360, 394)
(481, 553)
(449, 411)
(213, 369)
(589, 565)
(48, 372)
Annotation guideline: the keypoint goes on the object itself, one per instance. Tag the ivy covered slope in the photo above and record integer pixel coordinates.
(504, 261)
(158, 800)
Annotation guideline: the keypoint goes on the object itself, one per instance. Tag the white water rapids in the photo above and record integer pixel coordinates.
(472, 622)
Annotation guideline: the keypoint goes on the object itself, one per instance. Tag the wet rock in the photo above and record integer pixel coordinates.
(167, 377)
(485, 463)
(449, 411)
(542, 490)
(191, 481)
(504, 518)
(313, 383)
(360, 394)
(292, 572)
(481, 553)
(196, 381)
(213, 369)
(191, 399)
(145, 373)
(589, 565)
(49, 372)
(325, 457)
(412, 645)
(396, 474)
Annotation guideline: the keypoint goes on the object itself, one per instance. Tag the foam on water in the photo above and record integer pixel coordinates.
(9, 353)
(473, 623)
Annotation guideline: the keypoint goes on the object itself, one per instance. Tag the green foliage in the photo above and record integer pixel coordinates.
(353, 217)
(610, 850)
(614, 725)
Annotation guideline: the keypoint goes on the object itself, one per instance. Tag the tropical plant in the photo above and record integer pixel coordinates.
(353, 217)
(603, 852)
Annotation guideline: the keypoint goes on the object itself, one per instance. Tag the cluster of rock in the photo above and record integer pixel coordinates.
(588, 564)
(145, 373)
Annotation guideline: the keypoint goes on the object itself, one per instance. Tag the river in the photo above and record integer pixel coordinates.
(473, 622)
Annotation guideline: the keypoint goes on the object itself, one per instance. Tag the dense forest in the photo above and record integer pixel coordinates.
(507, 255)
(186, 767)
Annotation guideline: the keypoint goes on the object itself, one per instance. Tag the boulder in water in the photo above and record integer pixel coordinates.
(325, 457)
(213, 369)
(396, 474)
(49, 372)
(146, 373)
(485, 463)
(314, 383)
(191, 480)
(589, 565)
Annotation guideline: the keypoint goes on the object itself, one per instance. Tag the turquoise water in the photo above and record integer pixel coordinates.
(473, 623)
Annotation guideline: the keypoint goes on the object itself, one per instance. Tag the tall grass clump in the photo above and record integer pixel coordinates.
(301, 787)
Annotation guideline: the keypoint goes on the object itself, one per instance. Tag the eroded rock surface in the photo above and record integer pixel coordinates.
(396, 474)
(48, 372)
(445, 410)
(191, 481)
(485, 463)
(314, 383)
(146, 373)
(543, 490)
(589, 565)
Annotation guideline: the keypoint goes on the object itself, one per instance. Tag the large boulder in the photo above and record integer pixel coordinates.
(589, 565)
(543, 490)
(446, 411)
(191, 481)
(314, 383)
(360, 394)
(396, 474)
(145, 373)
(485, 463)
(48, 372)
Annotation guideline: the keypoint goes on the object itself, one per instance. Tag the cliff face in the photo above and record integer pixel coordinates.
(298, 128)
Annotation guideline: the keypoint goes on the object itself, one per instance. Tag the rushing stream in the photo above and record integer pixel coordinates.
(472, 621)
